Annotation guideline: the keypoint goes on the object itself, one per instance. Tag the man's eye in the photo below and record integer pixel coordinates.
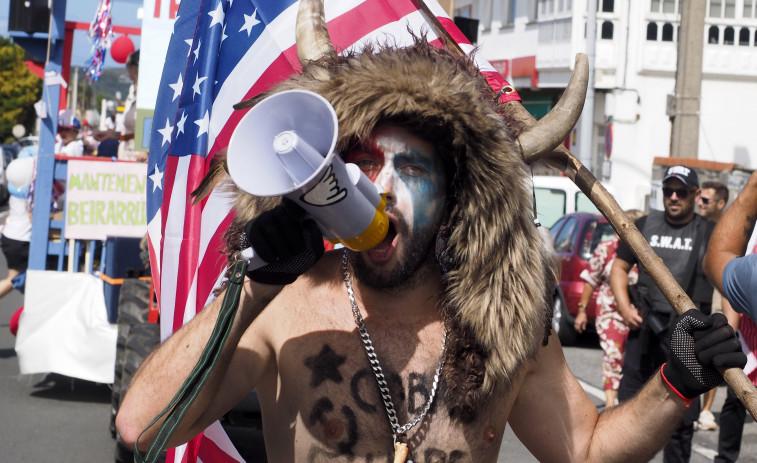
(412, 170)
(367, 165)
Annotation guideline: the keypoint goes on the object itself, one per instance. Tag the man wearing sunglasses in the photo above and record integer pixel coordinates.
(712, 200)
(679, 237)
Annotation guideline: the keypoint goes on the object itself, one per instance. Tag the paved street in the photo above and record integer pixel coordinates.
(50, 418)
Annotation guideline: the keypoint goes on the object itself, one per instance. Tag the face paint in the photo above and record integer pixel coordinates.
(413, 177)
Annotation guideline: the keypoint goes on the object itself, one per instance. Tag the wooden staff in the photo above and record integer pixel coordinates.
(562, 159)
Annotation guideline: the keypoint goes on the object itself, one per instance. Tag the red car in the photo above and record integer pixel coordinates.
(575, 236)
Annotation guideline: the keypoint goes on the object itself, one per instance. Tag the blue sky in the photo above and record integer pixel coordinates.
(124, 14)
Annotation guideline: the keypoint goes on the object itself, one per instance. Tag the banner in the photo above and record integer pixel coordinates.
(69, 333)
(105, 199)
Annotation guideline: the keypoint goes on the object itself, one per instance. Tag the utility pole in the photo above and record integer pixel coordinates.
(586, 129)
(684, 139)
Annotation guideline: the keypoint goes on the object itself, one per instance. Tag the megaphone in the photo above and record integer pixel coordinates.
(285, 146)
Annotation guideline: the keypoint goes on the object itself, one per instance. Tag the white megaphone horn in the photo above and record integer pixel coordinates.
(285, 145)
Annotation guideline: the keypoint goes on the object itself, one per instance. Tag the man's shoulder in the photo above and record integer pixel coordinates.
(327, 272)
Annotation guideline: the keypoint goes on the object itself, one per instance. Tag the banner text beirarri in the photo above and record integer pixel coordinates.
(113, 212)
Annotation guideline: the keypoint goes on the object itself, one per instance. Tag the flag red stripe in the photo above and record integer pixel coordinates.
(370, 15)
(213, 263)
(185, 273)
(279, 70)
(210, 452)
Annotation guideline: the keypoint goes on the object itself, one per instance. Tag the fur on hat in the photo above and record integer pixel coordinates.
(495, 292)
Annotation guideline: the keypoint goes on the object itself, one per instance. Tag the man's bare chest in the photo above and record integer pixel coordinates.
(340, 399)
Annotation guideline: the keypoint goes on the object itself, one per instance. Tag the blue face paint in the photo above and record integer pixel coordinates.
(423, 177)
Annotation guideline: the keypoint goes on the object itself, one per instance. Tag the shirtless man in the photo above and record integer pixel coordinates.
(422, 127)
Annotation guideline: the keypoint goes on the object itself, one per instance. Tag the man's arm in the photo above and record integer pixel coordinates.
(291, 245)
(236, 372)
(619, 286)
(734, 319)
(732, 233)
(556, 421)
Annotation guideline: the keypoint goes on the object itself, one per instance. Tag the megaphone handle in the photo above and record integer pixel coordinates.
(252, 258)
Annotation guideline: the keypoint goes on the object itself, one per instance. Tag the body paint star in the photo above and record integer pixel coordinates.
(325, 366)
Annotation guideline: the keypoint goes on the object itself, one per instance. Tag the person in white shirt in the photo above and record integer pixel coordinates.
(67, 142)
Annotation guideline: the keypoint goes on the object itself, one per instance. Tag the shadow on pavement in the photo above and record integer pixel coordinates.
(59, 387)
(7, 353)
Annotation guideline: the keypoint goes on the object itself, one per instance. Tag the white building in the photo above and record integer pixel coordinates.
(533, 43)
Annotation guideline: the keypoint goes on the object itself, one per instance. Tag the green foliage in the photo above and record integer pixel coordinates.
(19, 90)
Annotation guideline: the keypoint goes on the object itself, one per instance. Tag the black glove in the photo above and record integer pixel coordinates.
(699, 345)
(286, 240)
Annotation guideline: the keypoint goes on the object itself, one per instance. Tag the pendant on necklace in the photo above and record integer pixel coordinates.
(400, 452)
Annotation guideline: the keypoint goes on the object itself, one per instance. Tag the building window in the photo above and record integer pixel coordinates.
(508, 12)
(531, 11)
(607, 29)
(663, 6)
(728, 36)
(716, 8)
(748, 11)
(744, 37)
(667, 32)
(546, 7)
(464, 11)
(722, 8)
(607, 6)
(652, 31)
(730, 9)
(713, 36)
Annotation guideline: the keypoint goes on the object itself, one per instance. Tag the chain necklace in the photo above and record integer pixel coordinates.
(397, 430)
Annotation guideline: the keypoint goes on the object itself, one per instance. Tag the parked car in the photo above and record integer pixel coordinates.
(575, 237)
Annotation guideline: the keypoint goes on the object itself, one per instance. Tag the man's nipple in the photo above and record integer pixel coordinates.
(333, 429)
(489, 434)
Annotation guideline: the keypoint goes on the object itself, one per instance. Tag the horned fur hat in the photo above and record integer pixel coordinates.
(495, 290)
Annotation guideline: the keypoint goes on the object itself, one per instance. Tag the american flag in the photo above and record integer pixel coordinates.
(221, 52)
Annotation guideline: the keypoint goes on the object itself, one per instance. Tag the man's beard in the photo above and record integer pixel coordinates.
(408, 271)
(681, 214)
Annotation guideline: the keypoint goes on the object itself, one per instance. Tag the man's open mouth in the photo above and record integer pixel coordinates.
(385, 249)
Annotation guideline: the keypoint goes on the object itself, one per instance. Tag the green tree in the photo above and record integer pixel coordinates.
(19, 90)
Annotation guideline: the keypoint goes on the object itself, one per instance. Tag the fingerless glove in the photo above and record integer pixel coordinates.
(699, 345)
(286, 240)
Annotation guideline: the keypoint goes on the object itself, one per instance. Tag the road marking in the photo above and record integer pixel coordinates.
(709, 453)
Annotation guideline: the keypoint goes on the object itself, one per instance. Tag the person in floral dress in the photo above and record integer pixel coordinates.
(609, 324)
